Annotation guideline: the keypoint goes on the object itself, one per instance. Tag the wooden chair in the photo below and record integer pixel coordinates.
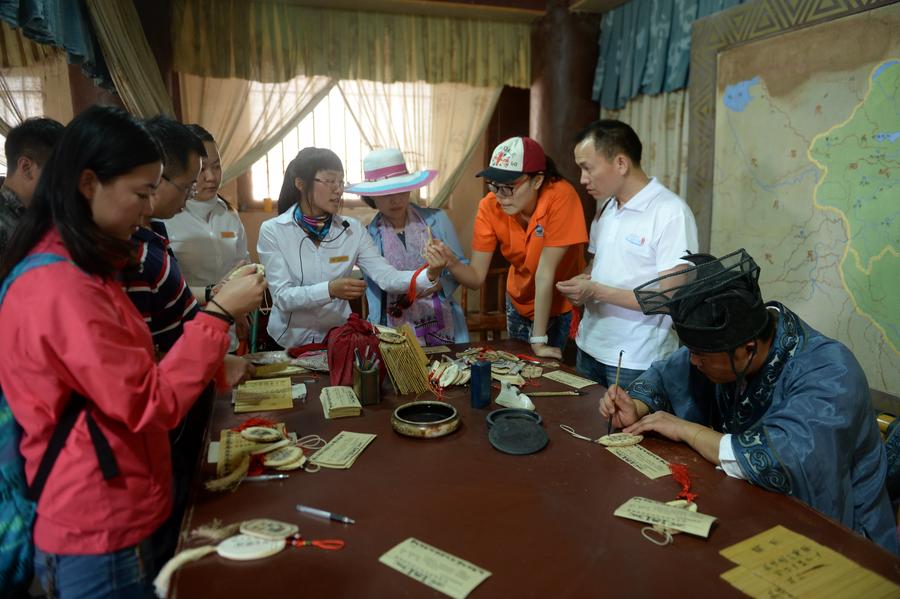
(490, 317)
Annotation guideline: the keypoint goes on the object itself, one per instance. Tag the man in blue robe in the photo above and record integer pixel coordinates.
(760, 393)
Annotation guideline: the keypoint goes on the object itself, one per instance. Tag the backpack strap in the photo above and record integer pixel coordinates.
(77, 403)
(28, 263)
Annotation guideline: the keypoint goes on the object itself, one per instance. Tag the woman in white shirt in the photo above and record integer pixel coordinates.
(207, 236)
(309, 252)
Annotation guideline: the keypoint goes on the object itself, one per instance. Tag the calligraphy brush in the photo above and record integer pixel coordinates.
(553, 393)
(616, 384)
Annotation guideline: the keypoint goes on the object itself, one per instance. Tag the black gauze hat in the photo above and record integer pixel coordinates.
(715, 305)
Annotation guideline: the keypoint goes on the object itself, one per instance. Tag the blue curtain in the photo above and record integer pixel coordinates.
(645, 47)
(61, 23)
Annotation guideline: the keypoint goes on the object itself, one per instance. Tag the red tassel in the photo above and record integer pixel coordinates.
(683, 478)
(576, 320)
(257, 466)
(411, 292)
(253, 422)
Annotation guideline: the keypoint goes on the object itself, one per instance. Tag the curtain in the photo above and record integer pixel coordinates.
(248, 123)
(435, 126)
(131, 62)
(16, 50)
(460, 117)
(661, 121)
(645, 47)
(62, 24)
(273, 41)
(34, 80)
(39, 89)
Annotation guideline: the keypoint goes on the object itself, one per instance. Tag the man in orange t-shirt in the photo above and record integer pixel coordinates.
(536, 217)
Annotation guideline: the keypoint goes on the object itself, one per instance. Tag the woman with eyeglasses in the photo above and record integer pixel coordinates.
(535, 216)
(309, 251)
(208, 236)
(78, 361)
(401, 231)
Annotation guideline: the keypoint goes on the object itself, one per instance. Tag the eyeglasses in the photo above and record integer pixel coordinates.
(191, 190)
(331, 184)
(504, 190)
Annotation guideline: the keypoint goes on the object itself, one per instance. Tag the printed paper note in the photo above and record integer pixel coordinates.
(780, 562)
(676, 518)
(438, 569)
(338, 402)
(643, 460)
(567, 378)
(263, 395)
(342, 451)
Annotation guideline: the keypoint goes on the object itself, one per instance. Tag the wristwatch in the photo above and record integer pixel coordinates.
(542, 339)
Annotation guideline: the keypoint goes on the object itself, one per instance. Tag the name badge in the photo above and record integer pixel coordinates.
(228, 234)
(635, 240)
(338, 259)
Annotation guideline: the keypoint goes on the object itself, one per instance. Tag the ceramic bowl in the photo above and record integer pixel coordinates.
(425, 419)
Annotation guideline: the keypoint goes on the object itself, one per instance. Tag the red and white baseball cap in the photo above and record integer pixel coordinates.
(513, 158)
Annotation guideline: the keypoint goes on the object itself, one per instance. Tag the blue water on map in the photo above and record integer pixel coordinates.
(737, 95)
(884, 67)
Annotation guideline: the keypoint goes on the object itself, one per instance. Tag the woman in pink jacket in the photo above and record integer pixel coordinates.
(70, 331)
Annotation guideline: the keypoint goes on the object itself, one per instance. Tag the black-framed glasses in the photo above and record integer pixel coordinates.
(332, 184)
(504, 190)
(190, 190)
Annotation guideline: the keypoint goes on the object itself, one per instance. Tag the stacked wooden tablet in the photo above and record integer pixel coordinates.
(404, 359)
(339, 402)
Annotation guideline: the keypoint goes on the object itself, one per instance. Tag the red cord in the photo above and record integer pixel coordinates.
(257, 466)
(411, 292)
(253, 422)
(682, 477)
(327, 544)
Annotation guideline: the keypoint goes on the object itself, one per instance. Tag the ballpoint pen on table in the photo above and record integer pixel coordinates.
(263, 477)
(324, 514)
(616, 384)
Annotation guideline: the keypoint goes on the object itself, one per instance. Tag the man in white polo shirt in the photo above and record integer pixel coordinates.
(641, 231)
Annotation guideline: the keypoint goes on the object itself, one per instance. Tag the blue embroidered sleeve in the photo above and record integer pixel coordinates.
(673, 385)
(758, 462)
(648, 388)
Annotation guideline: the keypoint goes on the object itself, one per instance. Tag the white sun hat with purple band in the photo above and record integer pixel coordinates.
(386, 173)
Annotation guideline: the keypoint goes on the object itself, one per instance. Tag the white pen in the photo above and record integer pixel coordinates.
(324, 514)
(262, 477)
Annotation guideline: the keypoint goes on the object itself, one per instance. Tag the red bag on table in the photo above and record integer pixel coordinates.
(356, 334)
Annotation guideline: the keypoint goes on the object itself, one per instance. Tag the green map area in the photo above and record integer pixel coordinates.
(807, 177)
(861, 160)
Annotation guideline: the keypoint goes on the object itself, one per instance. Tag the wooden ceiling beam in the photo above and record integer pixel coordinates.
(492, 10)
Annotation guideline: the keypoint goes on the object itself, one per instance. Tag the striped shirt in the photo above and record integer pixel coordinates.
(157, 288)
